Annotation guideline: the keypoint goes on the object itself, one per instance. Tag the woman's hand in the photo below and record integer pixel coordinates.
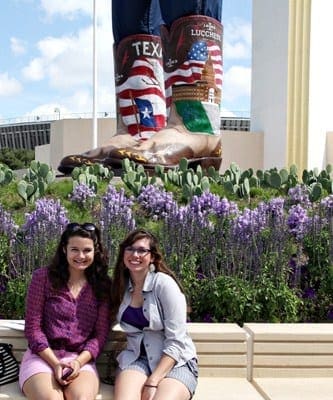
(61, 371)
(148, 392)
(67, 372)
(76, 366)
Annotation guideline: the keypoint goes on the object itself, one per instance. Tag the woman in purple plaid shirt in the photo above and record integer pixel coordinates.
(67, 319)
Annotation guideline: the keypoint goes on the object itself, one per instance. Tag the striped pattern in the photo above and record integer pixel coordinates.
(9, 367)
(191, 70)
(142, 98)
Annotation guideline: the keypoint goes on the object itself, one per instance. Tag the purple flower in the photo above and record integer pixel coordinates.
(298, 221)
(7, 224)
(330, 313)
(209, 203)
(116, 219)
(249, 223)
(49, 216)
(327, 202)
(207, 318)
(276, 208)
(155, 201)
(82, 194)
(38, 237)
(309, 293)
(116, 210)
(299, 195)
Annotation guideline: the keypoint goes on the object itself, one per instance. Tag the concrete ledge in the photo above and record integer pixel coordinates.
(257, 362)
(291, 361)
(222, 355)
(295, 388)
(226, 389)
(290, 350)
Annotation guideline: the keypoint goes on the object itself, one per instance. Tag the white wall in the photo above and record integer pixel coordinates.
(321, 81)
(271, 25)
(243, 148)
(269, 73)
(74, 136)
(329, 148)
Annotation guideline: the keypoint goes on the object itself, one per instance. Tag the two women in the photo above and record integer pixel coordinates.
(68, 320)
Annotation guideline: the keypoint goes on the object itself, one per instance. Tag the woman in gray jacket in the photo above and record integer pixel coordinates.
(147, 300)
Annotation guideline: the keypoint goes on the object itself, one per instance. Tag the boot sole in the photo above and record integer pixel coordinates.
(204, 162)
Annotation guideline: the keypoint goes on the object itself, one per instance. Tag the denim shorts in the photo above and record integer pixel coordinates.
(187, 373)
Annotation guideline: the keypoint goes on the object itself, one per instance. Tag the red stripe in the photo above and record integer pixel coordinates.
(130, 93)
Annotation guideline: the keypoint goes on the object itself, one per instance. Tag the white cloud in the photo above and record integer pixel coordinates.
(9, 86)
(83, 100)
(48, 110)
(68, 8)
(107, 100)
(237, 39)
(80, 100)
(67, 61)
(35, 71)
(67, 64)
(73, 106)
(17, 46)
(227, 113)
(236, 83)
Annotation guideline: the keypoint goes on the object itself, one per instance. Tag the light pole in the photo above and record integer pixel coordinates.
(94, 139)
(57, 110)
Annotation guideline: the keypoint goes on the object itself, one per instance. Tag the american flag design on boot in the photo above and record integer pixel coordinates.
(140, 85)
(193, 70)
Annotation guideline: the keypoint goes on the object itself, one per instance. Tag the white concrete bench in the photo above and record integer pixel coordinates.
(291, 361)
(222, 354)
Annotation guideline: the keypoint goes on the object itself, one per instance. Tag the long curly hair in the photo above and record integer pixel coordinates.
(121, 276)
(96, 274)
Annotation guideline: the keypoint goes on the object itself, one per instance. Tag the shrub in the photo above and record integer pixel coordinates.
(268, 260)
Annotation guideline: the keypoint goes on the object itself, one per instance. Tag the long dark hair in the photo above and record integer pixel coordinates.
(96, 274)
(121, 274)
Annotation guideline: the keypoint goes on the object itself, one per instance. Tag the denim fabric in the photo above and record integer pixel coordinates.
(165, 309)
(146, 16)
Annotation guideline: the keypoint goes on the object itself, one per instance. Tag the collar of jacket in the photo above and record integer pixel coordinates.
(148, 283)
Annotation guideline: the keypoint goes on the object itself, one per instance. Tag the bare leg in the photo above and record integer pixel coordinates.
(42, 386)
(170, 388)
(84, 387)
(129, 385)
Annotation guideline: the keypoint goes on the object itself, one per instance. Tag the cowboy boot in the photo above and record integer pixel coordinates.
(193, 81)
(140, 97)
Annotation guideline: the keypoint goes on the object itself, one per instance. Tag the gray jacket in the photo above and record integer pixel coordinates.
(164, 307)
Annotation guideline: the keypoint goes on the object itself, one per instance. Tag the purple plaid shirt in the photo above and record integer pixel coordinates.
(55, 319)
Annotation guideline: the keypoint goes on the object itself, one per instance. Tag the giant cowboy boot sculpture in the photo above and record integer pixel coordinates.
(140, 96)
(193, 80)
(192, 55)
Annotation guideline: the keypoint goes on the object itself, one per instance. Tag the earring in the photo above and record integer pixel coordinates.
(152, 267)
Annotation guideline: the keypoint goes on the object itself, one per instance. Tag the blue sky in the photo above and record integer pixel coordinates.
(46, 58)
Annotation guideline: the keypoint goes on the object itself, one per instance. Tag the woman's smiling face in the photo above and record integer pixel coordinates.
(137, 257)
(79, 252)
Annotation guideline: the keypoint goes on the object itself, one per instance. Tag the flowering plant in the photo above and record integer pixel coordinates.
(270, 261)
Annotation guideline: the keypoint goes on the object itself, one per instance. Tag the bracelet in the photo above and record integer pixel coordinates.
(152, 386)
(78, 362)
